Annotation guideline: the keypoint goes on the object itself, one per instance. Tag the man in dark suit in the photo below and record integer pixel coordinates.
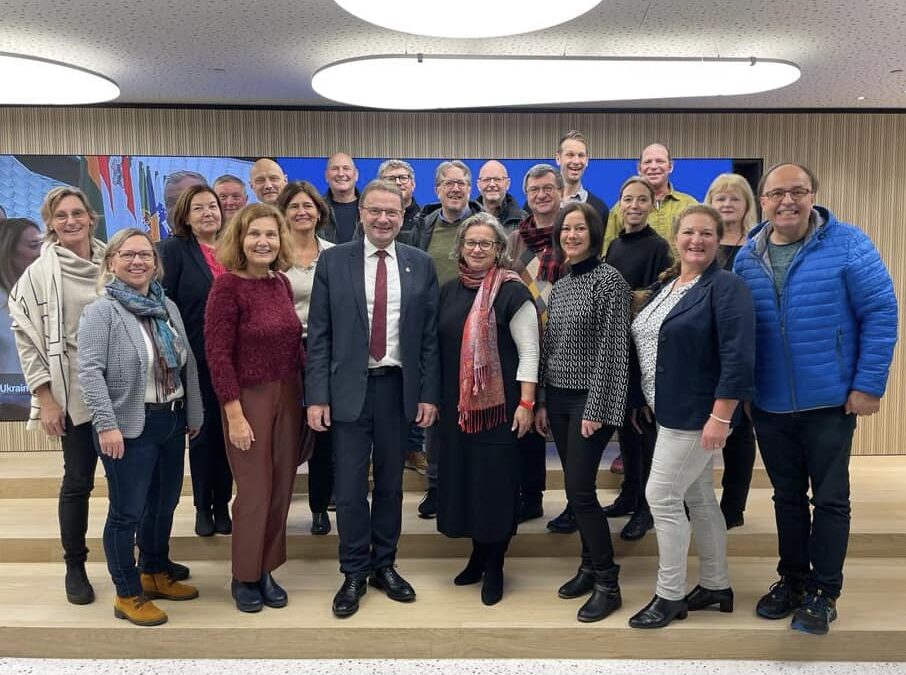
(373, 368)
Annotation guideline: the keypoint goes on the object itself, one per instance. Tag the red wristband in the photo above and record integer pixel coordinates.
(528, 405)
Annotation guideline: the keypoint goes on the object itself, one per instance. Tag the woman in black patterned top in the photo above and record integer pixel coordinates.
(584, 375)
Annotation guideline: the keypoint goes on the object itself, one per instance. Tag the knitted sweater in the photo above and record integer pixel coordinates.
(586, 344)
(252, 333)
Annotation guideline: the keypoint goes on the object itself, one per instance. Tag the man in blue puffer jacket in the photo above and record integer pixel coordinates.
(826, 324)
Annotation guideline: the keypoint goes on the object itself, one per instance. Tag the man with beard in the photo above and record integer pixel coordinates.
(493, 183)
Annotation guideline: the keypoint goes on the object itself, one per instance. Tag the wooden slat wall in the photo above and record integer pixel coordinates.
(858, 159)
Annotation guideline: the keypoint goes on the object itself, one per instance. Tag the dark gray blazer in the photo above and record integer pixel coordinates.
(113, 365)
(336, 371)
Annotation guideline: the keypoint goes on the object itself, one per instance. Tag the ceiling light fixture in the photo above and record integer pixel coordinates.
(29, 80)
(468, 18)
(423, 82)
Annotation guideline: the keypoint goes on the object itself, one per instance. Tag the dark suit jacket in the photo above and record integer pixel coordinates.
(706, 350)
(187, 282)
(336, 371)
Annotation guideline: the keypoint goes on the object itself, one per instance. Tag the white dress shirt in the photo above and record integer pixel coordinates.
(394, 302)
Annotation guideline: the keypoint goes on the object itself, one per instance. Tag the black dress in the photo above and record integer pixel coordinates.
(477, 474)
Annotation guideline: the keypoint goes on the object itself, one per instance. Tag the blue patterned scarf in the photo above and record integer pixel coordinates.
(169, 349)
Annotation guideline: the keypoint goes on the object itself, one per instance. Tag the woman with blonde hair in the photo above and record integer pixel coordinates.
(45, 305)
(253, 341)
(732, 196)
(140, 385)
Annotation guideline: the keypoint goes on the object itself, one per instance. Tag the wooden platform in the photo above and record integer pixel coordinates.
(445, 621)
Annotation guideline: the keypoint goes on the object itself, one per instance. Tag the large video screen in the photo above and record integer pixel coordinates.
(133, 191)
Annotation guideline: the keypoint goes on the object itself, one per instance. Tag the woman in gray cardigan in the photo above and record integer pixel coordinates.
(140, 383)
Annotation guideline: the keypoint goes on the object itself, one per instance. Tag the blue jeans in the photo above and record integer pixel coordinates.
(144, 488)
(802, 450)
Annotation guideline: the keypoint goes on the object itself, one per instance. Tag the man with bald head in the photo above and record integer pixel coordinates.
(656, 165)
(342, 195)
(493, 183)
(267, 180)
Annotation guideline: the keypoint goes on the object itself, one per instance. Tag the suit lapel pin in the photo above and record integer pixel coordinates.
(408, 270)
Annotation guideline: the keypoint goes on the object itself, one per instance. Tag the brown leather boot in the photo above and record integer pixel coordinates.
(161, 585)
(138, 610)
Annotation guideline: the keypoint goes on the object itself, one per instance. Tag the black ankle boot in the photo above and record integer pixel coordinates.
(474, 569)
(579, 585)
(659, 613)
(78, 588)
(605, 596)
(492, 586)
(700, 598)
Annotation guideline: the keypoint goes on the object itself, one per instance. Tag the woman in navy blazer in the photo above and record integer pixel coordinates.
(189, 271)
(695, 341)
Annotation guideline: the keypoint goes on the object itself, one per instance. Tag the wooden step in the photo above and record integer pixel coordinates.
(447, 621)
(29, 530)
(33, 475)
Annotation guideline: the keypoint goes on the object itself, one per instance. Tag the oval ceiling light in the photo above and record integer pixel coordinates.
(423, 82)
(29, 80)
(467, 18)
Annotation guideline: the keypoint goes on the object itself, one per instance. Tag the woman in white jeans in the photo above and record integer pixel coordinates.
(696, 347)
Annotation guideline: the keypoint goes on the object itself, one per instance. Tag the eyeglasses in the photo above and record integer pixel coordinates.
(797, 193)
(447, 184)
(401, 179)
(129, 256)
(493, 179)
(546, 189)
(481, 244)
(75, 214)
(375, 212)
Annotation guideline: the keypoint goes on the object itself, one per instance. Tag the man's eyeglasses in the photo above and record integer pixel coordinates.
(546, 189)
(797, 193)
(481, 244)
(401, 180)
(450, 182)
(493, 179)
(375, 212)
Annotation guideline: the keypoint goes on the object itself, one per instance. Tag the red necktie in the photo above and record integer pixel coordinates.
(378, 346)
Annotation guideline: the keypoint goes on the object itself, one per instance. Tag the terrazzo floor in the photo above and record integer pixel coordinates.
(438, 667)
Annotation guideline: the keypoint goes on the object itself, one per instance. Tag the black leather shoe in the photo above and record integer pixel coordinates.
(389, 580)
(530, 509)
(659, 613)
(427, 507)
(565, 523)
(579, 585)
(781, 600)
(223, 524)
(637, 526)
(492, 585)
(605, 597)
(320, 523)
(700, 598)
(177, 572)
(620, 507)
(272, 593)
(346, 601)
(247, 595)
(78, 589)
(204, 523)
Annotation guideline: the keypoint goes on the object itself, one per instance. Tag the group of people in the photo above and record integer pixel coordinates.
(349, 329)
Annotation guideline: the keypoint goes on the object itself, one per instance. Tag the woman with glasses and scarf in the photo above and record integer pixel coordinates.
(140, 385)
(488, 333)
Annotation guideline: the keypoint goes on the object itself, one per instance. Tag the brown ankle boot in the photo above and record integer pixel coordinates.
(161, 585)
(138, 610)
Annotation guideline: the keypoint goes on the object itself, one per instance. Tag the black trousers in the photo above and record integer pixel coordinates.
(212, 480)
(739, 458)
(320, 472)
(799, 450)
(533, 456)
(369, 536)
(637, 450)
(79, 463)
(581, 458)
